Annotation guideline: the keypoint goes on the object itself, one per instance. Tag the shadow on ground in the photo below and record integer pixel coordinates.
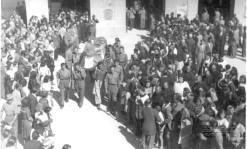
(131, 138)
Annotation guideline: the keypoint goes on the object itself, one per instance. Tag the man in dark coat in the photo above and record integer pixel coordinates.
(32, 101)
(191, 45)
(34, 143)
(219, 45)
(150, 117)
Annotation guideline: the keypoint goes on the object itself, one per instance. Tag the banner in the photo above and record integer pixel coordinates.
(37, 8)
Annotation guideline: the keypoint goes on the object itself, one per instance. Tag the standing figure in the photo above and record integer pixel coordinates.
(244, 43)
(220, 38)
(11, 114)
(93, 27)
(150, 117)
(152, 22)
(79, 76)
(63, 76)
(143, 18)
(132, 18)
(112, 82)
(200, 54)
(99, 75)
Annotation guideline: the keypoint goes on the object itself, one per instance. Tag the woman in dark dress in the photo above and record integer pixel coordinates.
(26, 120)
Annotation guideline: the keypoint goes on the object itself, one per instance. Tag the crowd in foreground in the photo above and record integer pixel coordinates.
(176, 90)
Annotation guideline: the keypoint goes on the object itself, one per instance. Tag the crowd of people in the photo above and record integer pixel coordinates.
(27, 73)
(175, 91)
(136, 16)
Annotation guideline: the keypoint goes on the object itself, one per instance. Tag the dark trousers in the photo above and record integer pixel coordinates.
(132, 23)
(139, 123)
(148, 141)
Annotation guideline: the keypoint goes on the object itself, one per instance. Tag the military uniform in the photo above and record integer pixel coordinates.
(64, 84)
(111, 85)
(79, 77)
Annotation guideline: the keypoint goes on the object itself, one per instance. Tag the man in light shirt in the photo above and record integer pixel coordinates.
(180, 85)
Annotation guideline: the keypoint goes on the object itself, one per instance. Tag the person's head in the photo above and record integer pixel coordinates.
(46, 79)
(158, 108)
(39, 107)
(230, 109)
(17, 86)
(11, 141)
(116, 62)
(100, 65)
(242, 79)
(122, 49)
(142, 91)
(77, 66)
(66, 146)
(9, 98)
(112, 68)
(222, 114)
(190, 96)
(6, 133)
(199, 78)
(63, 66)
(148, 103)
(186, 91)
(180, 79)
(23, 82)
(158, 89)
(148, 84)
(166, 85)
(117, 40)
(35, 135)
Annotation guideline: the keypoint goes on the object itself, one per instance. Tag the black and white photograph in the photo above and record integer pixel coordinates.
(123, 74)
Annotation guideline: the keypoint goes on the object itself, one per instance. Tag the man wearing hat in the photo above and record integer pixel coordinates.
(11, 114)
(150, 117)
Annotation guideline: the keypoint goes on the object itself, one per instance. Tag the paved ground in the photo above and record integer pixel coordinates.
(88, 128)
